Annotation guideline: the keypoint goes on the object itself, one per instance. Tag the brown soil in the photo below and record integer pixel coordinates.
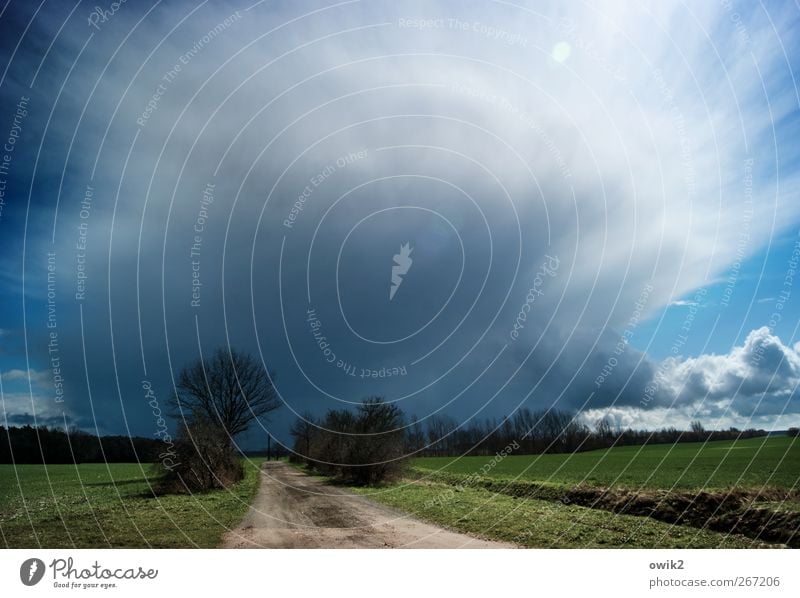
(727, 511)
(737, 511)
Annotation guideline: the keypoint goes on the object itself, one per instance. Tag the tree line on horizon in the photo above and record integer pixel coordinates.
(535, 432)
(545, 431)
(35, 445)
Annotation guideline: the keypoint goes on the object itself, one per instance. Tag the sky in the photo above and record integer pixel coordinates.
(466, 208)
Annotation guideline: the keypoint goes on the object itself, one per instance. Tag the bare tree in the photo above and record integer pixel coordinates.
(230, 389)
(377, 451)
(440, 433)
(603, 428)
(415, 436)
(303, 430)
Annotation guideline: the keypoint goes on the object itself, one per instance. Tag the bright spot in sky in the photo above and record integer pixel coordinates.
(561, 51)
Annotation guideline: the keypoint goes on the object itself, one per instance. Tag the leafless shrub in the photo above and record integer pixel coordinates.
(365, 447)
(205, 460)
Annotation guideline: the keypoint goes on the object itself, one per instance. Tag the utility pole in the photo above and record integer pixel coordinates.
(269, 445)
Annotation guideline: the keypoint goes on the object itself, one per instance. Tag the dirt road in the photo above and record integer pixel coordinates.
(295, 510)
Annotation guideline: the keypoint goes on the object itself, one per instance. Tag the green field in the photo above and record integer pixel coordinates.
(755, 462)
(531, 499)
(98, 505)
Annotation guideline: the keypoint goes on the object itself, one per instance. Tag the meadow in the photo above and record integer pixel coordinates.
(731, 494)
(94, 505)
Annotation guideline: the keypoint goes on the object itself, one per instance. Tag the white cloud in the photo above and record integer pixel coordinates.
(681, 418)
(754, 385)
(36, 377)
(19, 408)
(763, 367)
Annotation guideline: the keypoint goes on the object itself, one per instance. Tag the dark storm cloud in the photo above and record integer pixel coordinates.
(274, 161)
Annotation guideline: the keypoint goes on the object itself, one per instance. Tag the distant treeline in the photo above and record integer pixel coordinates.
(33, 445)
(545, 431)
(342, 441)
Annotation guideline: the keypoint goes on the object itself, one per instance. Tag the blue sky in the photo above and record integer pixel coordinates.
(720, 324)
(557, 169)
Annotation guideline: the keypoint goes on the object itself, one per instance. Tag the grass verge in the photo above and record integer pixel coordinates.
(538, 523)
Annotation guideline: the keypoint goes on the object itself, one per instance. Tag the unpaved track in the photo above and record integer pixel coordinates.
(295, 510)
